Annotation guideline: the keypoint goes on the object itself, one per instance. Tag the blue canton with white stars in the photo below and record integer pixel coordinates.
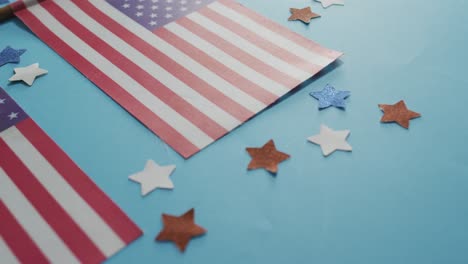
(10, 112)
(10, 55)
(153, 14)
(329, 96)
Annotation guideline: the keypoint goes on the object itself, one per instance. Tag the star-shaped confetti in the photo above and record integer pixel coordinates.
(266, 157)
(329, 96)
(327, 3)
(398, 113)
(330, 140)
(153, 176)
(305, 14)
(28, 74)
(10, 55)
(180, 229)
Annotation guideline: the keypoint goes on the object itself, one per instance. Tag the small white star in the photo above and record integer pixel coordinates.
(126, 5)
(327, 3)
(154, 7)
(330, 140)
(169, 1)
(198, 2)
(168, 8)
(168, 15)
(27, 74)
(153, 176)
(183, 8)
(139, 7)
(2, 100)
(183, 2)
(139, 14)
(153, 23)
(154, 1)
(13, 115)
(153, 15)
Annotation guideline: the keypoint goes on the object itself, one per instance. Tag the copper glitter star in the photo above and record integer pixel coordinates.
(266, 157)
(398, 113)
(305, 14)
(180, 229)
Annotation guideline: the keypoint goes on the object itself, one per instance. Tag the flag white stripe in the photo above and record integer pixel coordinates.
(181, 58)
(33, 223)
(228, 60)
(180, 88)
(248, 47)
(6, 255)
(82, 214)
(270, 35)
(191, 132)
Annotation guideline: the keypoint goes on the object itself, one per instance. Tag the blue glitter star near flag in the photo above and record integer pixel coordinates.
(153, 14)
(10, 55)
(329, 96)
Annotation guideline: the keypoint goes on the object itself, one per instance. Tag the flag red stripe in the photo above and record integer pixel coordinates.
(132, 105)
(19, 242)
(71, 234)
(80, 182)
(260, 42)
(239, 54)
(199, 119)
(217, 67)
(294, 37)
(192, 80)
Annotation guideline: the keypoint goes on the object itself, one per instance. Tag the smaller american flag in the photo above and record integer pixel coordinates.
(50, 210)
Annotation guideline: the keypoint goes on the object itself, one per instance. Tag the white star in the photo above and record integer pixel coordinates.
(153, 176)
(154, 7)
(168, 15)
(183, 2)
(139, 14)
(330, 140)
(153, 15)
(327, 3)
(169, 1)
(183, 8)
(154, 1)
(126, 5)
(2, 100)
(28, 74)
(197, 2)
(153, 23)
(139, 7)
(13, 115)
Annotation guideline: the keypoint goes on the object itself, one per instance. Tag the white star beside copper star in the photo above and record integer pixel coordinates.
(28, 74)
(331, 140)
(327, 3)
(153, 176)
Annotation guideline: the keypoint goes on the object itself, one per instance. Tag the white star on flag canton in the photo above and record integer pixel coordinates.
(51, 211)
(190, 76)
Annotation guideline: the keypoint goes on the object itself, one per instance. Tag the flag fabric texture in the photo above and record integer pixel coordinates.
(50, 210)
(189, 70)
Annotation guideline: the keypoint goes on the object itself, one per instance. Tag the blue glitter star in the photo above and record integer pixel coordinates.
(329, 96)
(10, 55)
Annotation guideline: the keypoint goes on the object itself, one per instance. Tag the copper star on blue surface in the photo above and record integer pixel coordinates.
(329, 96)
(10, 55)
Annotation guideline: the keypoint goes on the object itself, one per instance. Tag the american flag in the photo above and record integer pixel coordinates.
(190, 70)
(50, 211)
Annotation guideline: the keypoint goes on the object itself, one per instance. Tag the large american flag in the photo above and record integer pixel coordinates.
(50, 211)
(190, 70)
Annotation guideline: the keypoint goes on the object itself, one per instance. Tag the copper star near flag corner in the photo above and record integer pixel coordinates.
(327, 3)
(304, 14)
(397, 113)
(180, 229)
(153, 176)
(266, 157)
(28, 74)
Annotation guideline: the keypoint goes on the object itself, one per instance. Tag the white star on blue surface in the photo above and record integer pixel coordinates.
(13, 115)
(329, 96)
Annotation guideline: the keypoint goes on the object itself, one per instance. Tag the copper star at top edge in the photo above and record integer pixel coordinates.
(398, 113)
(305, 14)
(267, 157)
(180, 229)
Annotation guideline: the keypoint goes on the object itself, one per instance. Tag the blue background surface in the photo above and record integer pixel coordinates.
(399, 197)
